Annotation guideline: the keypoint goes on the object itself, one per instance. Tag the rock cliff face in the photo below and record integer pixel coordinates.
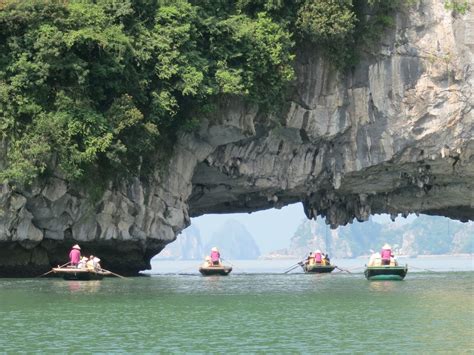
(393, 135)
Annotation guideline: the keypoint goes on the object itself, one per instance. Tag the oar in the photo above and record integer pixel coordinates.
(188, 268)
(337, 267)
(113, 273)
(227, 260)
(293, 267)
(50, 271)
(419, 268)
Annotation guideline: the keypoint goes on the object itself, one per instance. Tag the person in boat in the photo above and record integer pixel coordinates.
(386, 254)
(318, 257)
(75, 255)
(207, 262)
(93, 263)
(375, 259)
(82, 264)
(310, 259)
(326, 260)
(215, 257)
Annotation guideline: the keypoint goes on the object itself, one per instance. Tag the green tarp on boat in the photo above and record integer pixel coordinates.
(386, 272)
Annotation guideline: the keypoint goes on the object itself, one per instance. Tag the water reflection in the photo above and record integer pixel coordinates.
(382, 286)
(84, 286)
(213, 283)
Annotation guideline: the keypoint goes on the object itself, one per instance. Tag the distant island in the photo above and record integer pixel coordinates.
(232, 239)
(425, 235)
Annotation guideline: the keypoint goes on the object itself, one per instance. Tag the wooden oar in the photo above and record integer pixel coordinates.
(50, 271)
(226, 260)
(419, 268)
(294, 267)
(188, 268)
(113, 273)
(337, 267)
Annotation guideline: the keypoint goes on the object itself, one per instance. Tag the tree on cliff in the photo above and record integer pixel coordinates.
(102, 87)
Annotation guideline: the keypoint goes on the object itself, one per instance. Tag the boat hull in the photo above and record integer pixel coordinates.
(318, 269)
(396, 273)
(215, 270)
(72, 274)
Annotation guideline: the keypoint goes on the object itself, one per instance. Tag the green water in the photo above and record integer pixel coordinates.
(428, 312)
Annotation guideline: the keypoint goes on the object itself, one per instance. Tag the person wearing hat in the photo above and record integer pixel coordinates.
(215, 256)
(386, 254)
(75, 255)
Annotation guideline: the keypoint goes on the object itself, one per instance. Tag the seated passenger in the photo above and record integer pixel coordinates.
(93, 263)
(310, 259)
(326, 260)
(207, 262)
(82, 264)
(375, 260)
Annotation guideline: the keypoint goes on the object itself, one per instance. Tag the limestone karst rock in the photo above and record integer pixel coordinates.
(393, 135)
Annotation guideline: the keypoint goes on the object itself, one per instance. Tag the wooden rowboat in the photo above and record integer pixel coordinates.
(83, 274)
(318, 268)
(215, 270)
(386, 272)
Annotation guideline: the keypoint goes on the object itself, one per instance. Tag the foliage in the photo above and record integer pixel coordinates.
(100, 87)
(458, 6)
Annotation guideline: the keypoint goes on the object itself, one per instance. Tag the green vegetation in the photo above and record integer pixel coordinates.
(457, 6)
(98, 89)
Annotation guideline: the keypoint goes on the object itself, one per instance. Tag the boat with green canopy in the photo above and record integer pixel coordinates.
(386, 272)
(318, 268)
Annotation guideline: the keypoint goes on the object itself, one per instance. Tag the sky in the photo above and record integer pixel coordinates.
(272, 229)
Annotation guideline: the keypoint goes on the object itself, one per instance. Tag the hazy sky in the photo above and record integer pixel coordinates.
(272, 229)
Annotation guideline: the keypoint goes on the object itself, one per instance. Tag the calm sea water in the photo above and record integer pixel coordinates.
(255, 309)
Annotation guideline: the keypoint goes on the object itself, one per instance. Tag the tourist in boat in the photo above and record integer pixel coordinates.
(318, 257)
(386, 254)
(93, 263)
(215, 257)
(75, 255)
(310, 259)
(326, 260)
(207, 262)
(82, 264)
(375, 259)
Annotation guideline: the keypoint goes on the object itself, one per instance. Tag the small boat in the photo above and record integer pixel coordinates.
(386, 272)
(82, 274)
(318, 268)
(215, 270)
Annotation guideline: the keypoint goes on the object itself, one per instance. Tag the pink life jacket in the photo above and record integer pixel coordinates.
(386, 254)
(215, 256)
(318, 258)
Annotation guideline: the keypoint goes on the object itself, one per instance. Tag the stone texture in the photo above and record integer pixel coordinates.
(393, 135)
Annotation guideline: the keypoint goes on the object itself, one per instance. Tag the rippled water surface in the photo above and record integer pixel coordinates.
(244, 312)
